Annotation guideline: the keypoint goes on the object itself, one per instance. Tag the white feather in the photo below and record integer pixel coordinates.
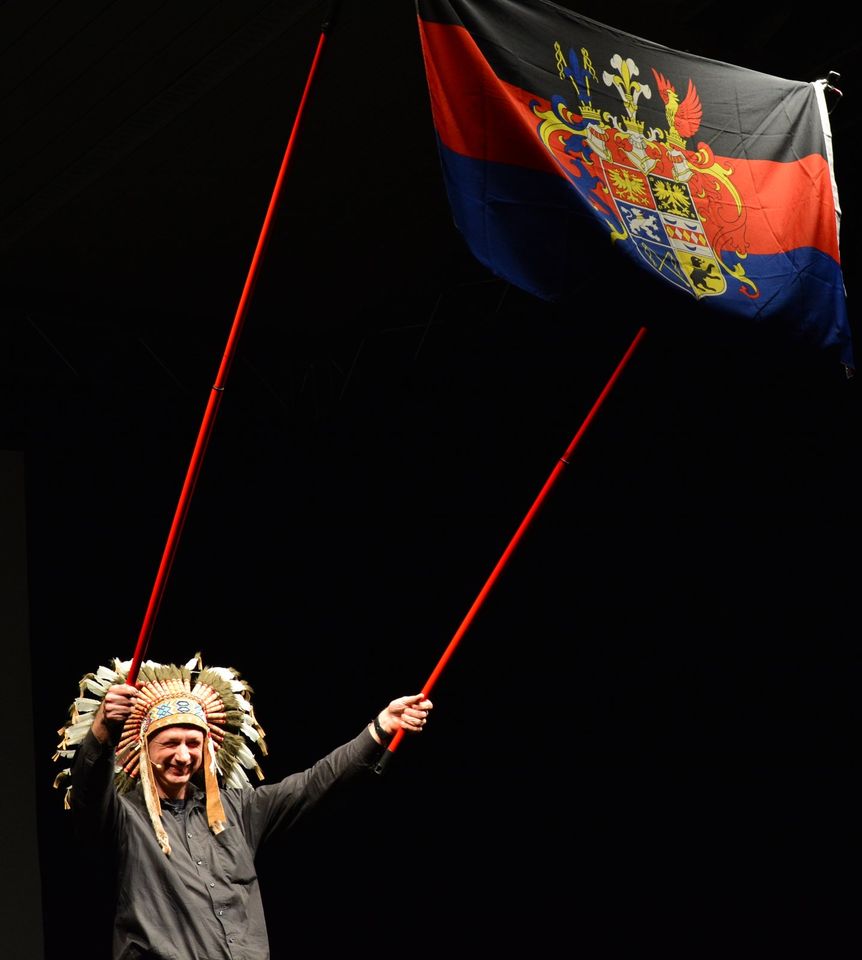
(245, 757)
(237, 778)
(250, 732)
(76, 733)
(223, 673)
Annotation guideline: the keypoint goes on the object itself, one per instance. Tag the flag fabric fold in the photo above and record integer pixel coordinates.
(573, 151)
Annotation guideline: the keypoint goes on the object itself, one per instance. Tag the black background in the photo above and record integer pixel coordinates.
(649, 731)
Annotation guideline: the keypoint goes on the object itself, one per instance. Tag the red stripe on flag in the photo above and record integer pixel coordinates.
(482, 121)
(781, 215)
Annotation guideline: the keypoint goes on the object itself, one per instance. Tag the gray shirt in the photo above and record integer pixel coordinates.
(203, 901)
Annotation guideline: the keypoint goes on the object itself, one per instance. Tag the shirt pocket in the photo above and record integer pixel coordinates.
(234, 857)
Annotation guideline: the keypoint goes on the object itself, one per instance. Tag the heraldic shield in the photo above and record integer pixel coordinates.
(665, 228)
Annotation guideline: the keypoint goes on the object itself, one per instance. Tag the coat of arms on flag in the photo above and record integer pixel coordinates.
(669, 204)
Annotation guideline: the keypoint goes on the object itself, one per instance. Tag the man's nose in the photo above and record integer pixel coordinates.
(183, 754)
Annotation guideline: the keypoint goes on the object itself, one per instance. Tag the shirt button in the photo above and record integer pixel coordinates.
(221, 913)
(198, 862)
(211, 883)
(189, 836)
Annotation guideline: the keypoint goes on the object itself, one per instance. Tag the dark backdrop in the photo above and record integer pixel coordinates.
(649, 731)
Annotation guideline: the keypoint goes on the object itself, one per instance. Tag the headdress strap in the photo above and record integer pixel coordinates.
(151, 800)
(215, 811)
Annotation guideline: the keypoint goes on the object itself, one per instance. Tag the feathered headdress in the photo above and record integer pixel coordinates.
(214, 699)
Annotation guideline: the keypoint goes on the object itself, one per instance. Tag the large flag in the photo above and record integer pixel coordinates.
(563, 139)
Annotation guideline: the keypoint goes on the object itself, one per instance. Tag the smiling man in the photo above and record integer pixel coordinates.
(158, 778)
(177, 754)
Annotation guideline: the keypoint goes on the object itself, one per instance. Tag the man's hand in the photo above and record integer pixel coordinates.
(406, 713)
(113, 712)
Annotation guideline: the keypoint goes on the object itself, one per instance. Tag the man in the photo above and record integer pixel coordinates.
(158, 775)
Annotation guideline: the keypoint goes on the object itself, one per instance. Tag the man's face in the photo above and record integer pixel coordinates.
(176, 754)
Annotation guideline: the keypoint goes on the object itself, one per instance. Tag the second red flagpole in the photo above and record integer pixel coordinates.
(513, 543)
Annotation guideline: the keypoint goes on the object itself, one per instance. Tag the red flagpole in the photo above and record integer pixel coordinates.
(206, 428)
(519, 533)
